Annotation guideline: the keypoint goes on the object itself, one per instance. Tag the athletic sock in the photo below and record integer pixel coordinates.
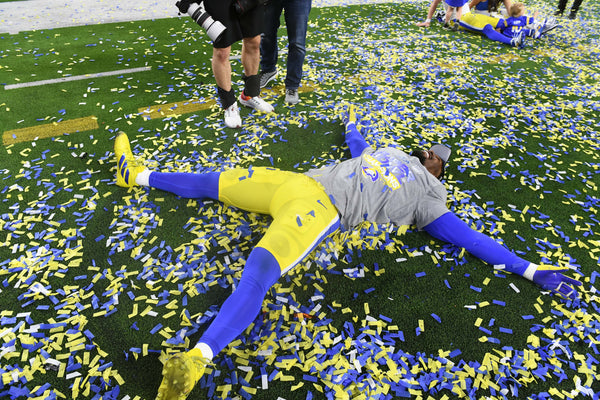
(243, 305)
(227, 97)
(186, 184)
(143, 178)
(205, 350)
(252, 85)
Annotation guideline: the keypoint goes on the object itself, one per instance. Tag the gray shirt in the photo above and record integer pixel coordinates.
(381, 186)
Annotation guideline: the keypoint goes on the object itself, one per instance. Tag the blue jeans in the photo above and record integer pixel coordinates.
(296, 21)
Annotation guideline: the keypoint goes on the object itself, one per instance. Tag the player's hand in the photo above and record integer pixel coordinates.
(349, 115)
(551, 278)
(423, 24)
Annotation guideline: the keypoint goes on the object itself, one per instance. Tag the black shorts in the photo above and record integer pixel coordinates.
(238, 27)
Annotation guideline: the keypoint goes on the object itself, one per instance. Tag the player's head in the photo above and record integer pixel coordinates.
(492, 6)
(517, 9)
(434, 159)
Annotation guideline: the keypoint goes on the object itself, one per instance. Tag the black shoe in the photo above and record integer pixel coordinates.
(450, 27)
(558, 13)
(572, 15)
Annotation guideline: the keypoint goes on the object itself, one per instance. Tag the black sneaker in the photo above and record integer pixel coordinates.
(266, 77)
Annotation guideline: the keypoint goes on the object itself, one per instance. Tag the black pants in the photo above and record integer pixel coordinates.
(562, 4)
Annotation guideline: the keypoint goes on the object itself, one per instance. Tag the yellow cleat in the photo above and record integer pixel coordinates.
(348, 114)
(180, 374)
(127, 166)
(351, 114)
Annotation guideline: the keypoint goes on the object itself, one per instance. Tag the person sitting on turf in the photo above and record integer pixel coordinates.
(513, 29)
(384, 185)
(486, 12)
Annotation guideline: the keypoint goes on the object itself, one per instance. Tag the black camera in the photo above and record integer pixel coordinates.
(214, 29)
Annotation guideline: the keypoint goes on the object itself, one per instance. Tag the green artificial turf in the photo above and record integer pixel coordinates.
(523, 125)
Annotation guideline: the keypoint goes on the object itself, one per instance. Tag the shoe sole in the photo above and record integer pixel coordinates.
(175, 384)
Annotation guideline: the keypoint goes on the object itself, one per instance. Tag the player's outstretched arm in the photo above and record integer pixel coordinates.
(452, 229)
(434, 4)
(355, 141)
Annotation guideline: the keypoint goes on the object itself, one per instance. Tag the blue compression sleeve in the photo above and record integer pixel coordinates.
(494, 35)
(355, 141)
(187, 185)
(452, 229)
(241, 308)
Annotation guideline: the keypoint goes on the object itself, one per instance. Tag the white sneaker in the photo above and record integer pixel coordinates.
(291, 96)
(232, 116)
(256, 103)
(517, 40)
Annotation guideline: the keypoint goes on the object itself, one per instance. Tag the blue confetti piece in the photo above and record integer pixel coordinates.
(383, 317)
(475, 288)
(156, 328)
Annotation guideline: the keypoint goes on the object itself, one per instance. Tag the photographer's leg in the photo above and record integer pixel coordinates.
(222, 67)
(222, 70)
(251, 55)
(250, 97)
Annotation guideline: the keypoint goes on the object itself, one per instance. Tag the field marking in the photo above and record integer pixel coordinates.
(189, 106)
(50, 130)
(174, 109)
(75, 78)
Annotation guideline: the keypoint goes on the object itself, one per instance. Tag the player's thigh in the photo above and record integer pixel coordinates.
(298, 226)
(476, 22)
(252, 189)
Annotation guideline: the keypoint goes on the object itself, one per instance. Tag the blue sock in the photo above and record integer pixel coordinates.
(492, 34)
(241, 308)
(187, 185)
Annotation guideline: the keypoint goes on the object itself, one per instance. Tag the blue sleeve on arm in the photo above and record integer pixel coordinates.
(355, 141)
(452, 229)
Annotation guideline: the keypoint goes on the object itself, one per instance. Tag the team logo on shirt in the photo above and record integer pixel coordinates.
(391, 170)
(370, 173)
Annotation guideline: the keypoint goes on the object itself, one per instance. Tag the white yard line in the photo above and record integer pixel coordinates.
(75, 78)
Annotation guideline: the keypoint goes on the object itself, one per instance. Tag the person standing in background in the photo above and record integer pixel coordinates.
(562, 4)
(296, 21)
(240, 23)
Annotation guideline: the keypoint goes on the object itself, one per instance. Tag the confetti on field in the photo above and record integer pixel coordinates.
(98, 282)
